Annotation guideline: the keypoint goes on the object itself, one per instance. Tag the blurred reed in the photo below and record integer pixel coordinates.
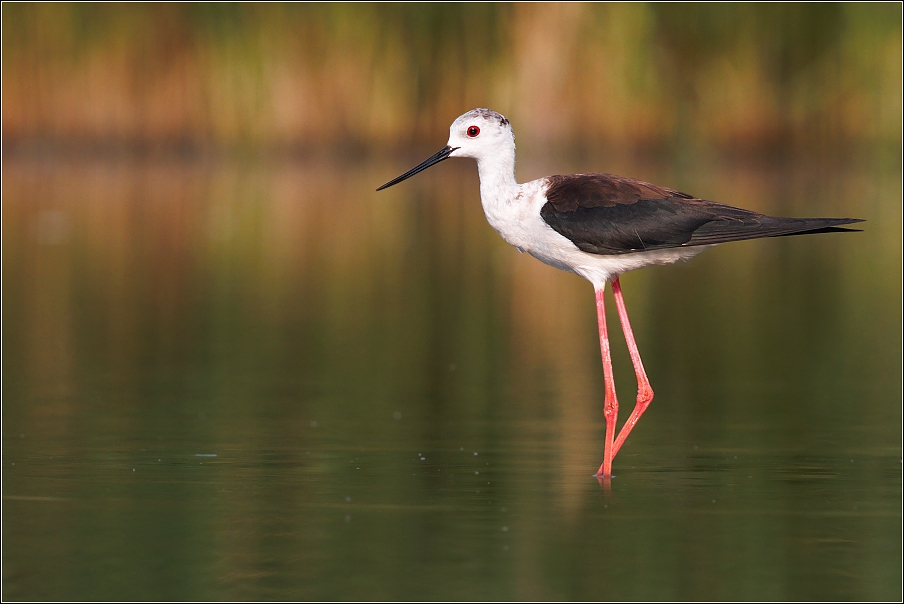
(304, 78)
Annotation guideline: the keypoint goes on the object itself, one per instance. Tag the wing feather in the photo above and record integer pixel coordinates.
(608, 214)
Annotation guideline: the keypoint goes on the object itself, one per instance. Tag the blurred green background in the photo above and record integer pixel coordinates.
(233, 371)
(301, 78)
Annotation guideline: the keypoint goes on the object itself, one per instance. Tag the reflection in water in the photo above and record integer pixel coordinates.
(403, 407)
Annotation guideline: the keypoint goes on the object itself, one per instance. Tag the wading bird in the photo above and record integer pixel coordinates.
(599, 226)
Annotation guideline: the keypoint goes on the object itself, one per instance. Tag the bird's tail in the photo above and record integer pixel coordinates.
(724, 230)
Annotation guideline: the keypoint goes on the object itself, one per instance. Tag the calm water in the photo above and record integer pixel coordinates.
(265, 381)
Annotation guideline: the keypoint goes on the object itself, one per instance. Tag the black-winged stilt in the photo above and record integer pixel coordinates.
(599, 226)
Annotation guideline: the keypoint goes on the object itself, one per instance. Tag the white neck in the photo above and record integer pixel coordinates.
(497, 176)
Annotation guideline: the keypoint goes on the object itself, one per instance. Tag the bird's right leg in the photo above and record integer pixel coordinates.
(644, 391)
(610, 410)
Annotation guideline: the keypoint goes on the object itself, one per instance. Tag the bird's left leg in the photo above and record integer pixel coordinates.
(610, 409)
(644, 391)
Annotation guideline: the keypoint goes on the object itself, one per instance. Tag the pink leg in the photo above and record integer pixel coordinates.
(644, 391)
(610, 411)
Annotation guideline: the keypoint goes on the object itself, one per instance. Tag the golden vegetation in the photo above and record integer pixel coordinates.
(303, 77)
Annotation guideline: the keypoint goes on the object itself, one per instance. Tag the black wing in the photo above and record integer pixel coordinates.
(608, 214)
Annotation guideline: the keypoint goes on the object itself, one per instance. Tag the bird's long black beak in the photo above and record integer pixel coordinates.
(437, 157)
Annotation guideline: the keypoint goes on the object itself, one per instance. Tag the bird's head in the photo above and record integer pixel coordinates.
(479, 133)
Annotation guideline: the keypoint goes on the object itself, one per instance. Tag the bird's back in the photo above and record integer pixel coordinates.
(610, 215)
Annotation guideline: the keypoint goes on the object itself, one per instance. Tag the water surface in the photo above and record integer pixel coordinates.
(260, 380)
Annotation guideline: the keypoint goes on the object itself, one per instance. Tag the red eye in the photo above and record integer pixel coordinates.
(473, 131)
